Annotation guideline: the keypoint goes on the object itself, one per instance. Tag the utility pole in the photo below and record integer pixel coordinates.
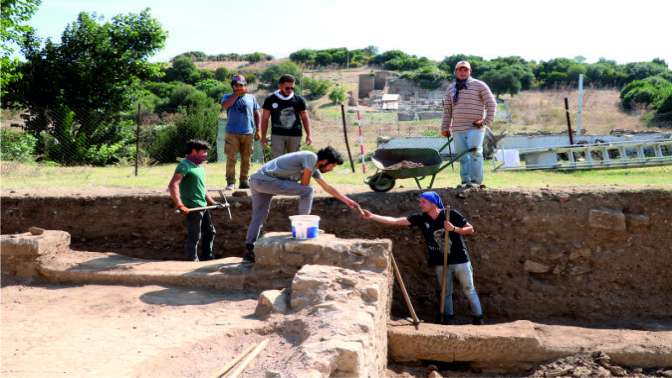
(579, 113)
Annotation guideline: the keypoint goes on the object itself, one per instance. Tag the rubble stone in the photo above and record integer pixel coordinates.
(272, 301)
(637, 221)
(535, 267)
(607, 219)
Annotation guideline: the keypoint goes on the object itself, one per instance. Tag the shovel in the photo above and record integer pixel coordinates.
(443, 274)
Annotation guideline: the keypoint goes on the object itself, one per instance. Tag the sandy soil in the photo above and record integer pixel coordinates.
(113, 331)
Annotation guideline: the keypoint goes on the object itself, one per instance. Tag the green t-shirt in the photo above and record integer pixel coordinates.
(192, 186)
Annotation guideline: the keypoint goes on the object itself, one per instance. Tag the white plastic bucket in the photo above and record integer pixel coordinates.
(305, 226)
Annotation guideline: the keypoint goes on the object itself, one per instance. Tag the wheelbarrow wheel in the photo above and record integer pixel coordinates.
(380, 182)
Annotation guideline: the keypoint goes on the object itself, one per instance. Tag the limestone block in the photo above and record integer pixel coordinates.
(30, 244)
(272, 301)
(18, 252)
(279, 250)
(607, 219)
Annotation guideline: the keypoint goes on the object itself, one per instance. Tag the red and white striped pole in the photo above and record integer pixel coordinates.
(361, 140)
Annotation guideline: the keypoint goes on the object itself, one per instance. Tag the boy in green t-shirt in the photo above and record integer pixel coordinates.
(187, 189)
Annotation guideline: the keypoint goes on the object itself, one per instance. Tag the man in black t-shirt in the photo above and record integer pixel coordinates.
(432, 223)
(287, 112)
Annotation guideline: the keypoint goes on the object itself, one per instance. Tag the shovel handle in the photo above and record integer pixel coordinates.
(203, 208)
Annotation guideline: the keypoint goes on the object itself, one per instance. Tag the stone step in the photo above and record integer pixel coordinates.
(229, 274)
(521, 345)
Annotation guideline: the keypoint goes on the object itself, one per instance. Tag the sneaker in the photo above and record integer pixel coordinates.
(476, 185)
(471, 185)
(231, 186)
(249, 254)
(477, 320)
(461, 186)
(249, 257)
(244, 185)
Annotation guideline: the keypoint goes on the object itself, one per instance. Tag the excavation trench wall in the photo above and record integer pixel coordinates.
(590, 256)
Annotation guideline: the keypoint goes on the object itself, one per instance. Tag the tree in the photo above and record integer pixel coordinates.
(272, 74)
(76, 91)
(428, 77)
(448, 63)
(196, 56)
(303, 56)
(502, 81)
(14, 29)
(183, 69)
(222, 74)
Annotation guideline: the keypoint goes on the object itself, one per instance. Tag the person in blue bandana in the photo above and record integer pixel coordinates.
(432, 223)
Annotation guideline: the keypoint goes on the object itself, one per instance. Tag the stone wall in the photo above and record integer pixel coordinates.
(339, 299)
(585, 255)
(20, 251)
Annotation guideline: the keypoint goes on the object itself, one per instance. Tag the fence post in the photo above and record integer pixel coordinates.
(137, 139)
(569, 123)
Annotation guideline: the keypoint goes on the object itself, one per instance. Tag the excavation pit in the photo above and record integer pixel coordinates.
(561, 259)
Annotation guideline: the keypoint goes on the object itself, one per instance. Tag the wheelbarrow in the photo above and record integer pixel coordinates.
(421, 162)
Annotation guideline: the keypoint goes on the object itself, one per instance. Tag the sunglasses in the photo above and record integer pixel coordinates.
(288, 88)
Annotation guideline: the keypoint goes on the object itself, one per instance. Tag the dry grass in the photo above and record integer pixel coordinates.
(545, 111)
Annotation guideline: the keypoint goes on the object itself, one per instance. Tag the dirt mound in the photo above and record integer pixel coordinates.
(596, 364)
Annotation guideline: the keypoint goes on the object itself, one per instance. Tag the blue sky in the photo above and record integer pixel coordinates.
(625, 31)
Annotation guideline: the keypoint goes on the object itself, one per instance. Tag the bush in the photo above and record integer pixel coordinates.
(213, 88)
(664, 113)
(199, 121)
(17, 146)
(651, 92)
(338, 95)
(317, 88)
(428, 77)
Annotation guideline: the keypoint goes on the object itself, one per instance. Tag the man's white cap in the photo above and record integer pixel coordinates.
(463, 63)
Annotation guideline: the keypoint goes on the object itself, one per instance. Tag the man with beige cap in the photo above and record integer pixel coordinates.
(468, 106)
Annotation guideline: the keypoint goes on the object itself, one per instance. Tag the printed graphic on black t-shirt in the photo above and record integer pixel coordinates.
(433, 232)
(285, 119)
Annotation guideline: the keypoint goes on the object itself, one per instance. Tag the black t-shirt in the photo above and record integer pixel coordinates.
(433, 231)
(285, 119)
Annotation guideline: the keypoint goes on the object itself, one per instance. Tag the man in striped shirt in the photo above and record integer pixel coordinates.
(468, 107)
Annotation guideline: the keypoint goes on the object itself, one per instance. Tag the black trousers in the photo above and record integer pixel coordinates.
(199, 225)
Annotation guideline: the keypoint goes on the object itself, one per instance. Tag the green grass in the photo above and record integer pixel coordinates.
(27, 176)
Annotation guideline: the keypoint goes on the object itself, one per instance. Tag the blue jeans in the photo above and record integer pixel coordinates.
(465, 275)
(263, 188)
(471, 163)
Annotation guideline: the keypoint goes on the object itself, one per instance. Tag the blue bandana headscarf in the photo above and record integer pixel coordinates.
(434, 198)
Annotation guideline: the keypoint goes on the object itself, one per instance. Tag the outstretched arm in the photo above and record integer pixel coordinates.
(392, 221)
(336, 194)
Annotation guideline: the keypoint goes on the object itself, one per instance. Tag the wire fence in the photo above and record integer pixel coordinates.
(143, 138)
